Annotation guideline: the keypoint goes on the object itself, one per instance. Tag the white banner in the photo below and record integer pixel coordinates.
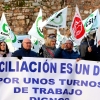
(49, 79)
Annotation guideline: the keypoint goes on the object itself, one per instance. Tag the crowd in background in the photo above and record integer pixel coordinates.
(87, 49)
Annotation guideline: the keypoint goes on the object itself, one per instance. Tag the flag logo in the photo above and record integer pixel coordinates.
(78, 28)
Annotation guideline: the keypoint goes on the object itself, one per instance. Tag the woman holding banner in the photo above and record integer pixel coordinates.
(4, 51)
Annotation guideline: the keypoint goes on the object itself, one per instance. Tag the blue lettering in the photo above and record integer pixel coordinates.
(46, 67)
(27, 81)
(39, 66)
(69, 66)
(51, 81)
(63, 67)
(96, 70)
(30, 66)
(99, 84)
(69, 82)
(92, 83)
(7, 80)
(65, 91)
(43, 81)
(10, 67)
(76, 82)
(82, 69)
(84, 83)
(24, 67)
(17, 66)
(53, 68)
(1, 79)
(62, 81)
(1, 69)
(35, 89)
(58, 91)
(78, 92)
(17, 90)
(71, 92)
(50, 91)
(33, 98)
(42, 90)
(24, 89)
(15, 80)
(35, 81)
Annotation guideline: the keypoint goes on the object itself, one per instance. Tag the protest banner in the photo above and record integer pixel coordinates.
(49, 79)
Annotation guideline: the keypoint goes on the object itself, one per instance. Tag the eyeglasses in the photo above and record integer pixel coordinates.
(52, 36)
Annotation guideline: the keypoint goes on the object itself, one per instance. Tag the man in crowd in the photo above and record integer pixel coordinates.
(66, 51)
(25, 51)
(48, 49)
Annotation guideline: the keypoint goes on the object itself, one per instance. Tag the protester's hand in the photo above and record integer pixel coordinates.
(19, 57)
(63, 46)
(78, 59)
(89, 49)
(41, 51)
(4, 55)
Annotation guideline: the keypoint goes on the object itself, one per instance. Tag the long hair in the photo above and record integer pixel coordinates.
(7, 50)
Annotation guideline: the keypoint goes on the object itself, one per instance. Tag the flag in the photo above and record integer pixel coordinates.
(59, 38)
(36, 30)
(77, 29)
(36, 44)
(97, 38)
(92, 22)
(4, 28)
(57, 20)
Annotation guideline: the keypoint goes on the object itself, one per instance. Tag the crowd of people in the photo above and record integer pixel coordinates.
(87, 49)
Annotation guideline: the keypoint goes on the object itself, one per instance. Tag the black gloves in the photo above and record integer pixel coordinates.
(41, 52)
(4, 55)
(19, 57)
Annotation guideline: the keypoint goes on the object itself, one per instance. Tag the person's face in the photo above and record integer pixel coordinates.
(69, 45)
(27, 44)
(3, 46)
(52, 43)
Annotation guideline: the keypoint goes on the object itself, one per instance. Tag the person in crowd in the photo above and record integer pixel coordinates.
(4, 50)
(83, 47)
(48, 49)
(25, 51)
(66, 51)
(93, 52)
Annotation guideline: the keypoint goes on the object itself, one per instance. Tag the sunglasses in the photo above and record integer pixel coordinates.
(52, 36)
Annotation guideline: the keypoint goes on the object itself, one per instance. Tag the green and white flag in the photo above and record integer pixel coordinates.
(4, 28)
(36, 44)
(92, 22)
(6, 32)
(59, 38)
(35, 30)
(57, 20)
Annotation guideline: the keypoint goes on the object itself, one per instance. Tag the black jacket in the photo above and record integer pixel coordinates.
(24, 53)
